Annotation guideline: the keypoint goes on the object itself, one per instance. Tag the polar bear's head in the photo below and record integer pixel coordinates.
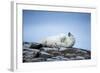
(69, 34)
(69, 40)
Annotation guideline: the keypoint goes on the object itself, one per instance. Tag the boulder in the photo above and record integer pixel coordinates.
(49, 49)
(36, 45)
(45, 55)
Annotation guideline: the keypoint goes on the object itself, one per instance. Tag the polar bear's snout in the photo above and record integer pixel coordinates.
(62, 40)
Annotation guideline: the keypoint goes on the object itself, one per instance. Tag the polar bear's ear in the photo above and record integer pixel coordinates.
(69, 34)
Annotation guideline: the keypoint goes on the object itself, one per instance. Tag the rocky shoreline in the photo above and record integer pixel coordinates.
(36, 52)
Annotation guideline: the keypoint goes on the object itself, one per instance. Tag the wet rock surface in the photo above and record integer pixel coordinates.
(35, 52)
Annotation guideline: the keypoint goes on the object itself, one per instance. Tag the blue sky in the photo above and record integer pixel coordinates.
(40, 24)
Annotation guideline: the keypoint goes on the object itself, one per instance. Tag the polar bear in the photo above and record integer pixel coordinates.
(62, 40)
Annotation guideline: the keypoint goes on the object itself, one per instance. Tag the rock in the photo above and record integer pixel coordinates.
(36, 45)
(36, 52)
(60, 58)
(26, 44)
(79, 58)
(45, 55)
(50, 59)
(31, 50)
(49, 49)
(55, 53)
(34, 60)
(37, 60)
(29, 54)
(81, 51)
(68, 55)
(62, 49)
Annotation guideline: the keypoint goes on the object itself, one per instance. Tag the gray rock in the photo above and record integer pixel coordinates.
(60, 58)
(31, 50)
(62, 49)
(49, 49)
(45, 55)
(26, 44)
(68, 55)
(50, 59)
(81, 51)
(27, 54)
(39, 53)
(80, 58)
(38, 59)
(36, 45)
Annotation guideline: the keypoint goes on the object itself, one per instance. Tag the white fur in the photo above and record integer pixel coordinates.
(62, 40)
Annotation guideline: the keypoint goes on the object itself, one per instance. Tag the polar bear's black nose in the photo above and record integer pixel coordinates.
(69, 34)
